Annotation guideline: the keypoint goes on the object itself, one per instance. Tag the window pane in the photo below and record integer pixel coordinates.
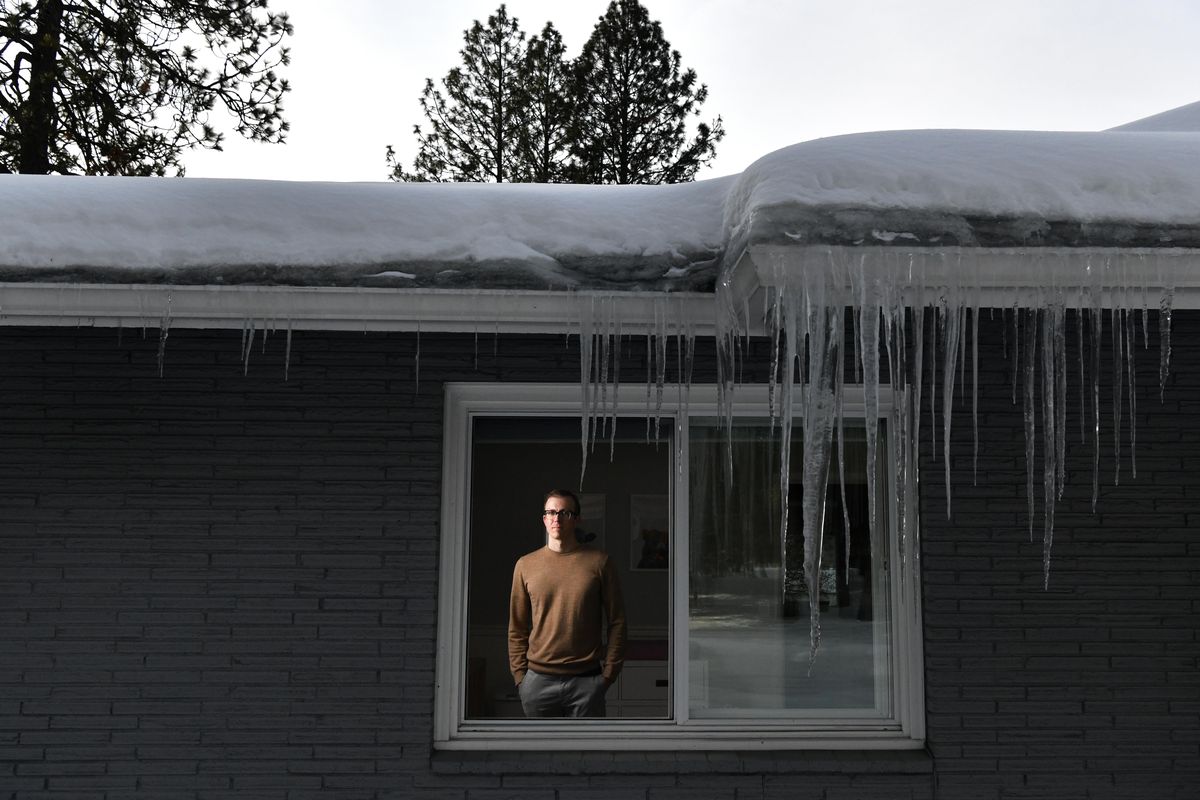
(748, 615)
(625, 503)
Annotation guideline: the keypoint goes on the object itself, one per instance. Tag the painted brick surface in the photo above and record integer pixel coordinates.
(219, 583)
(1087, 688)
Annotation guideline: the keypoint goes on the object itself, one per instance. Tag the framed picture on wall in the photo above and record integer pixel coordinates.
(591, 525)
(649, 527)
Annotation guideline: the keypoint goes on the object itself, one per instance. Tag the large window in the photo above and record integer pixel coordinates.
(718, 611)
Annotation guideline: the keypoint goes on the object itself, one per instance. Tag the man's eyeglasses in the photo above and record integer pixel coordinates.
(565, 515)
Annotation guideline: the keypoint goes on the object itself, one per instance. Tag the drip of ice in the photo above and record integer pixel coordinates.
(247, 344)
(950, 322)
(975, 386)
(287, 353)
(1164, 338)
(417, 362)
(586, 317)
(164, 330)
(804, 312)
(916, 307)
(1030, 349)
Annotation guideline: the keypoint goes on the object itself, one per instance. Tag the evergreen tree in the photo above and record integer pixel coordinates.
(634, 105)
(548, 109)
(106, 87)
(474, 126)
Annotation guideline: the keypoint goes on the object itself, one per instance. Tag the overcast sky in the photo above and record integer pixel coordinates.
(778, 72)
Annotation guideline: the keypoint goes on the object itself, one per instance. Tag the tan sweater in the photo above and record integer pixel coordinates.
(554, 614)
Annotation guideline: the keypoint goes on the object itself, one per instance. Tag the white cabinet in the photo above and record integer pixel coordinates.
(642, 690)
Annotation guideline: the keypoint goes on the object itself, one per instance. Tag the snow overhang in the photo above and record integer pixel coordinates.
(1010, 215)
(206, 232)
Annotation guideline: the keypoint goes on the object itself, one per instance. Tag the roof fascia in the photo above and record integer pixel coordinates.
(340, 308)
(1003, 276)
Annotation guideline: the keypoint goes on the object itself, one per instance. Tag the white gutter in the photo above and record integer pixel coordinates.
(1002, 276)
(342, 308)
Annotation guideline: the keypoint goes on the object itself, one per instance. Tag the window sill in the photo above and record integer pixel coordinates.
(591, 762)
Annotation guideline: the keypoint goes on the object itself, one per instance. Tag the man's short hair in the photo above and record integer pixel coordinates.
(564, 493)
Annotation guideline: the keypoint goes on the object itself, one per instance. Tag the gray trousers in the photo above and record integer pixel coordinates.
(562, 695)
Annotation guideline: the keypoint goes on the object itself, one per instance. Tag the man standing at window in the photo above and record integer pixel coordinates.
(562, 594)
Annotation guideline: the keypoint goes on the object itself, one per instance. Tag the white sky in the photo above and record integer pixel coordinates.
(778, 72)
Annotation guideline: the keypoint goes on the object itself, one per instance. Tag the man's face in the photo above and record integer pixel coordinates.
(558, 527)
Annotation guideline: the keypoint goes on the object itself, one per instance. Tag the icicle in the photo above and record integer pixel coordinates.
(728, 344)
(1050, 373)
(787, 388)
(868, 332)
(838, 391)
(679, 358)
(1004, 334)
(660, 378)
(1097, 340)
(773, 378)
(1164, 339)
(685, 380)
(689, 363)
(287, 353)
(1145, 310)
(1079, 323)
(918, 327)
(248, 349)
(649, 370)
(1118, 346)
(605, 356)
(585, 378)
(616, 372)
(476, 342)
(1016, 360)
(164, 330)
(1059, 328)
(1030, 424)
(417, 363)
(594, 376)
(950, 322)
(975, 383)
(1131, 383)
(938, 321)
(824, 346)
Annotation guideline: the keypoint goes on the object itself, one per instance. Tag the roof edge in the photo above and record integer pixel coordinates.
(342, 308)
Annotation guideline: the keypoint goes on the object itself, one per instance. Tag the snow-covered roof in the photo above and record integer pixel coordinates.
(974, 189)
(935, 188)
(507, 236)
(1183, 119)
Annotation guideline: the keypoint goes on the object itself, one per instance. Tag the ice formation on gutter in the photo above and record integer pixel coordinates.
(918, 233)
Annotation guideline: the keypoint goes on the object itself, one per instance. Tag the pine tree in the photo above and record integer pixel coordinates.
(548, 109)
(474, 126)
(105, 87)
(635, 104)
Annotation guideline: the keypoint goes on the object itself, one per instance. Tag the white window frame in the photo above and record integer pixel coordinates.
(452, 731)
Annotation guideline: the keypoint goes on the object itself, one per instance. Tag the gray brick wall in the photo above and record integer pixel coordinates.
(223, 585)
(1090, 688)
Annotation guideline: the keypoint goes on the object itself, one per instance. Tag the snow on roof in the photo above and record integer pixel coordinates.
(974, 188)
(197, 230)
(905, 188)
(1183, 119)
